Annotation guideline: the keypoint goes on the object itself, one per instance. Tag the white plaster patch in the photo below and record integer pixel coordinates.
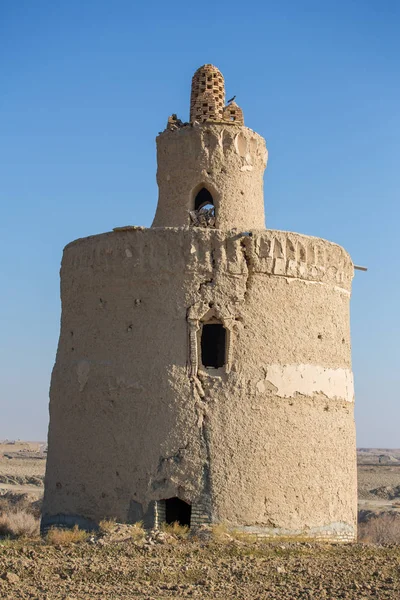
(335, 384)
(82, 371)
(306, 282)
(128, 253)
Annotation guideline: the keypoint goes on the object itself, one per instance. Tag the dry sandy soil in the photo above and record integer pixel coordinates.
(118, 567)
(22, 466)
(170, 568)
(378, 480)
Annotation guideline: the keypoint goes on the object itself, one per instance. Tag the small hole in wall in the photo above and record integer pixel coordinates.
(129, 328)
(72, 333)
(72, 349)
(242, 192)
(58, 485)
(320, 337)
(343, 341)
(117, 473)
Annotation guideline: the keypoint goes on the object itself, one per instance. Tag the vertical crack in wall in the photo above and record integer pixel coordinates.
(247, 248)
(198, 389)
(207, 477)
(205, 444)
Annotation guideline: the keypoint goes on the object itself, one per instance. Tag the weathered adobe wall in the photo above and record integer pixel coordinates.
(266, 443)
(229, 160)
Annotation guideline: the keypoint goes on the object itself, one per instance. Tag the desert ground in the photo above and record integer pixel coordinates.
(22, 466)
(123, 562)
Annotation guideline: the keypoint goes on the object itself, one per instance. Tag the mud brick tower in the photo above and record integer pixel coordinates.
(203, 372)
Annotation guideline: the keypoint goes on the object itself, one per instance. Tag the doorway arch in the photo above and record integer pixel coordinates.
(177, 511)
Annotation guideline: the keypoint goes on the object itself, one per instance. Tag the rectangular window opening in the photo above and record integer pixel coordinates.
(213, 345)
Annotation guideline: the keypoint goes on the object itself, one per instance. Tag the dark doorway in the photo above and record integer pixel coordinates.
(213, 343)
(203, 199)
(177, 511)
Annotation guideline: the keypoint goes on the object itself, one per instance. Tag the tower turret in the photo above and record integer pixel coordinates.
(207, 98)
(214, 159)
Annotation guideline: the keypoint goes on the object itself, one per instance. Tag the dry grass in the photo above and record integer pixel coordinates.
(15, 502)
(107, 525)
(179, 531)
(64, 537)
(19, 523)
(243, 536)
(382, 529)
(137, 531)
(110, 528)
(222, 533)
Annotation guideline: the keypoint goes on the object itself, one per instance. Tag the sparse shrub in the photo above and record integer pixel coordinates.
(64, 537)
(115, 530)
(19, 523)
(11, 502)
(221, 533)
(180, 531)
(243, 536)
(107, 525)
(137, 531)
(381, 529)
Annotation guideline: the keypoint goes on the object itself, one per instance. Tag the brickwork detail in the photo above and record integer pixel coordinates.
(199, 516)
(207, 98)
(233, 113)
(333, 532)
(159, 513)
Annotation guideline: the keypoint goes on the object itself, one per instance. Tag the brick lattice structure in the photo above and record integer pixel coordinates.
(233, 113)
(207, 98)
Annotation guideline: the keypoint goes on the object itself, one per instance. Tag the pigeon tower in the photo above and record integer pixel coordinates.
(203, 373)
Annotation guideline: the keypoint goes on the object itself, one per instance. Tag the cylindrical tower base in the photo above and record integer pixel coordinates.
(207, 368)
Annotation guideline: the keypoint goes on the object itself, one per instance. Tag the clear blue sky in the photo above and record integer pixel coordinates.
(85, 86)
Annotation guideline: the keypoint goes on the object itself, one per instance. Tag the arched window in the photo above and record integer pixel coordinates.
(203, 199)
